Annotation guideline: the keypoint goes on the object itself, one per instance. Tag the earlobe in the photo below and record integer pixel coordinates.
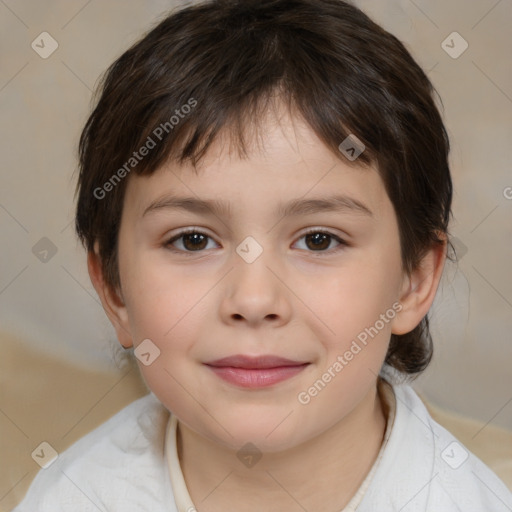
(419, 289)
(111, 300)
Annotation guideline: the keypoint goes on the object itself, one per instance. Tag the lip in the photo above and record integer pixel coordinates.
(256, 372)
(254, 362)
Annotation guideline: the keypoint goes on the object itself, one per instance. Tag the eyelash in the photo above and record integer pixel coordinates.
(168, 244)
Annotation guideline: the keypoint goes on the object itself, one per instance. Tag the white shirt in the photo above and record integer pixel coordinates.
(130, 463)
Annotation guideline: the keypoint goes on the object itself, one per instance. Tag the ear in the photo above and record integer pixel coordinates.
(111, 300)
(419, 289)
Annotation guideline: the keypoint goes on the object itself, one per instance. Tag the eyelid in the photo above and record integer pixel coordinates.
(327, 231)
(202, 231)
(189, 230)
(320, 229)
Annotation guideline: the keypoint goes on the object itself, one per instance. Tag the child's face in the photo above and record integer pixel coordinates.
(305, 299)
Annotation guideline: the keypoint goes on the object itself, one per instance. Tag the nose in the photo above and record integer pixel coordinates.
(255, 293)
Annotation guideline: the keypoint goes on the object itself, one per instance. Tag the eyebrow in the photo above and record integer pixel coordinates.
(338, 203)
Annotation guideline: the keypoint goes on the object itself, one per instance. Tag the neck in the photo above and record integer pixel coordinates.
(322, 473)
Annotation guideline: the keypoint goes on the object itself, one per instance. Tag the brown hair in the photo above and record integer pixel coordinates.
(331, 65)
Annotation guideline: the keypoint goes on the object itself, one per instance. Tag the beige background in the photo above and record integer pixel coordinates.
(51, 307)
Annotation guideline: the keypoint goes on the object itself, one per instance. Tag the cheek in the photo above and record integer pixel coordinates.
(158, 295)
(168, 311)
(354, 297)
(358, 308)
(165, 306)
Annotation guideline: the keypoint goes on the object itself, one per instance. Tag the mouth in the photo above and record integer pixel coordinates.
(256, 372)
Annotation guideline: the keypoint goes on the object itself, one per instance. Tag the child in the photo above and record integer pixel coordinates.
(264, 195)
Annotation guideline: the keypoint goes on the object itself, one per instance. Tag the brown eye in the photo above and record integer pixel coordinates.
(320, 241)
(194, 241)
(191, 241)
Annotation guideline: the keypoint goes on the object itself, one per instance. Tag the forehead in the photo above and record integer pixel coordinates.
(285, 162)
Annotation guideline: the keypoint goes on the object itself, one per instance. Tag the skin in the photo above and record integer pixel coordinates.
(294, 301)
